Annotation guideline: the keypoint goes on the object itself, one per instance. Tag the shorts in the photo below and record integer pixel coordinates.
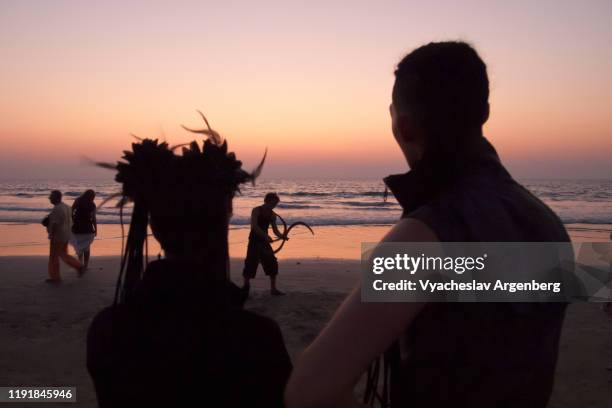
(260, 252)
(82, 242)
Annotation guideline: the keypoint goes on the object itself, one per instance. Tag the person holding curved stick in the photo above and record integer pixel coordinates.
(260, 244)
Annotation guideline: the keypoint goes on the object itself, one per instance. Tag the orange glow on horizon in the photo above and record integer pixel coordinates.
(77, 80)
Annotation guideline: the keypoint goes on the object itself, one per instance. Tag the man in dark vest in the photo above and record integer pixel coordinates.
(260, 248)
(453, 354)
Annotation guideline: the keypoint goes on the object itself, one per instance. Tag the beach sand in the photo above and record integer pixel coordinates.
(329, 241)
(44, 327)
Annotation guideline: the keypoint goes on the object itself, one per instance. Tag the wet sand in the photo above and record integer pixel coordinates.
(329, 241)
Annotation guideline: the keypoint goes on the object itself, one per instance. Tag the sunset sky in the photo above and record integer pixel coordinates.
(311, 81)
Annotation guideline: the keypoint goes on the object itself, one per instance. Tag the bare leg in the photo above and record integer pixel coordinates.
(273, 290)
(86, 254)
(68, 259)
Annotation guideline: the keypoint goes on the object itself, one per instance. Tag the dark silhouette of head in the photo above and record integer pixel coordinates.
(440, 100)
(55, 197)
(271, 200)
(89, 196)
(85, 200)
(186, 199)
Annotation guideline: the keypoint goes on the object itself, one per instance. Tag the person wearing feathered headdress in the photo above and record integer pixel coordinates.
(177, 331)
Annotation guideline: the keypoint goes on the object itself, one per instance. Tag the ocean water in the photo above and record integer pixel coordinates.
(318, 202)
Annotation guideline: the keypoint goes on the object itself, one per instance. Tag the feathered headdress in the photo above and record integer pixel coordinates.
(162, 184)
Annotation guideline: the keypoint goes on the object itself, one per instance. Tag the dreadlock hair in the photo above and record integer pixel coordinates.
(185, 199)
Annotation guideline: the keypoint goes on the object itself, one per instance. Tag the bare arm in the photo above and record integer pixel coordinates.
(275, 227)
(329, 368)
(95, 222)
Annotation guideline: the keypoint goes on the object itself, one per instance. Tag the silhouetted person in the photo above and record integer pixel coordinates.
(84, 225)
(59, 223)
(607, 306)
(260, 249)
(444, 354)
(179, 336)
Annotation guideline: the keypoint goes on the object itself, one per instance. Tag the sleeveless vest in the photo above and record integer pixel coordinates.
(263, 222)
(478, 354)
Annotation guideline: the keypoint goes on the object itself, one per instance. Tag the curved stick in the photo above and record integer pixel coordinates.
(287, 230)
(283, 234)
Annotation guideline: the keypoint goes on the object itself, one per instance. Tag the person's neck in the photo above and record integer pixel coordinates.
(469, 145)
(215, 263)
(184, 257)
(473, 133)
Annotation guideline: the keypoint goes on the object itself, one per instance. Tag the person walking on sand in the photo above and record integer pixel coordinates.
(59, 223)
(259, 249)
(84, 225)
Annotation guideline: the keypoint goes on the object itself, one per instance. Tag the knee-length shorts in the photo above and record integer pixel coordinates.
(260, 252)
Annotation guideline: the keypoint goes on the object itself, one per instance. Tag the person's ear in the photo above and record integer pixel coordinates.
(407, 128)
(403, 127)
(485, 116)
